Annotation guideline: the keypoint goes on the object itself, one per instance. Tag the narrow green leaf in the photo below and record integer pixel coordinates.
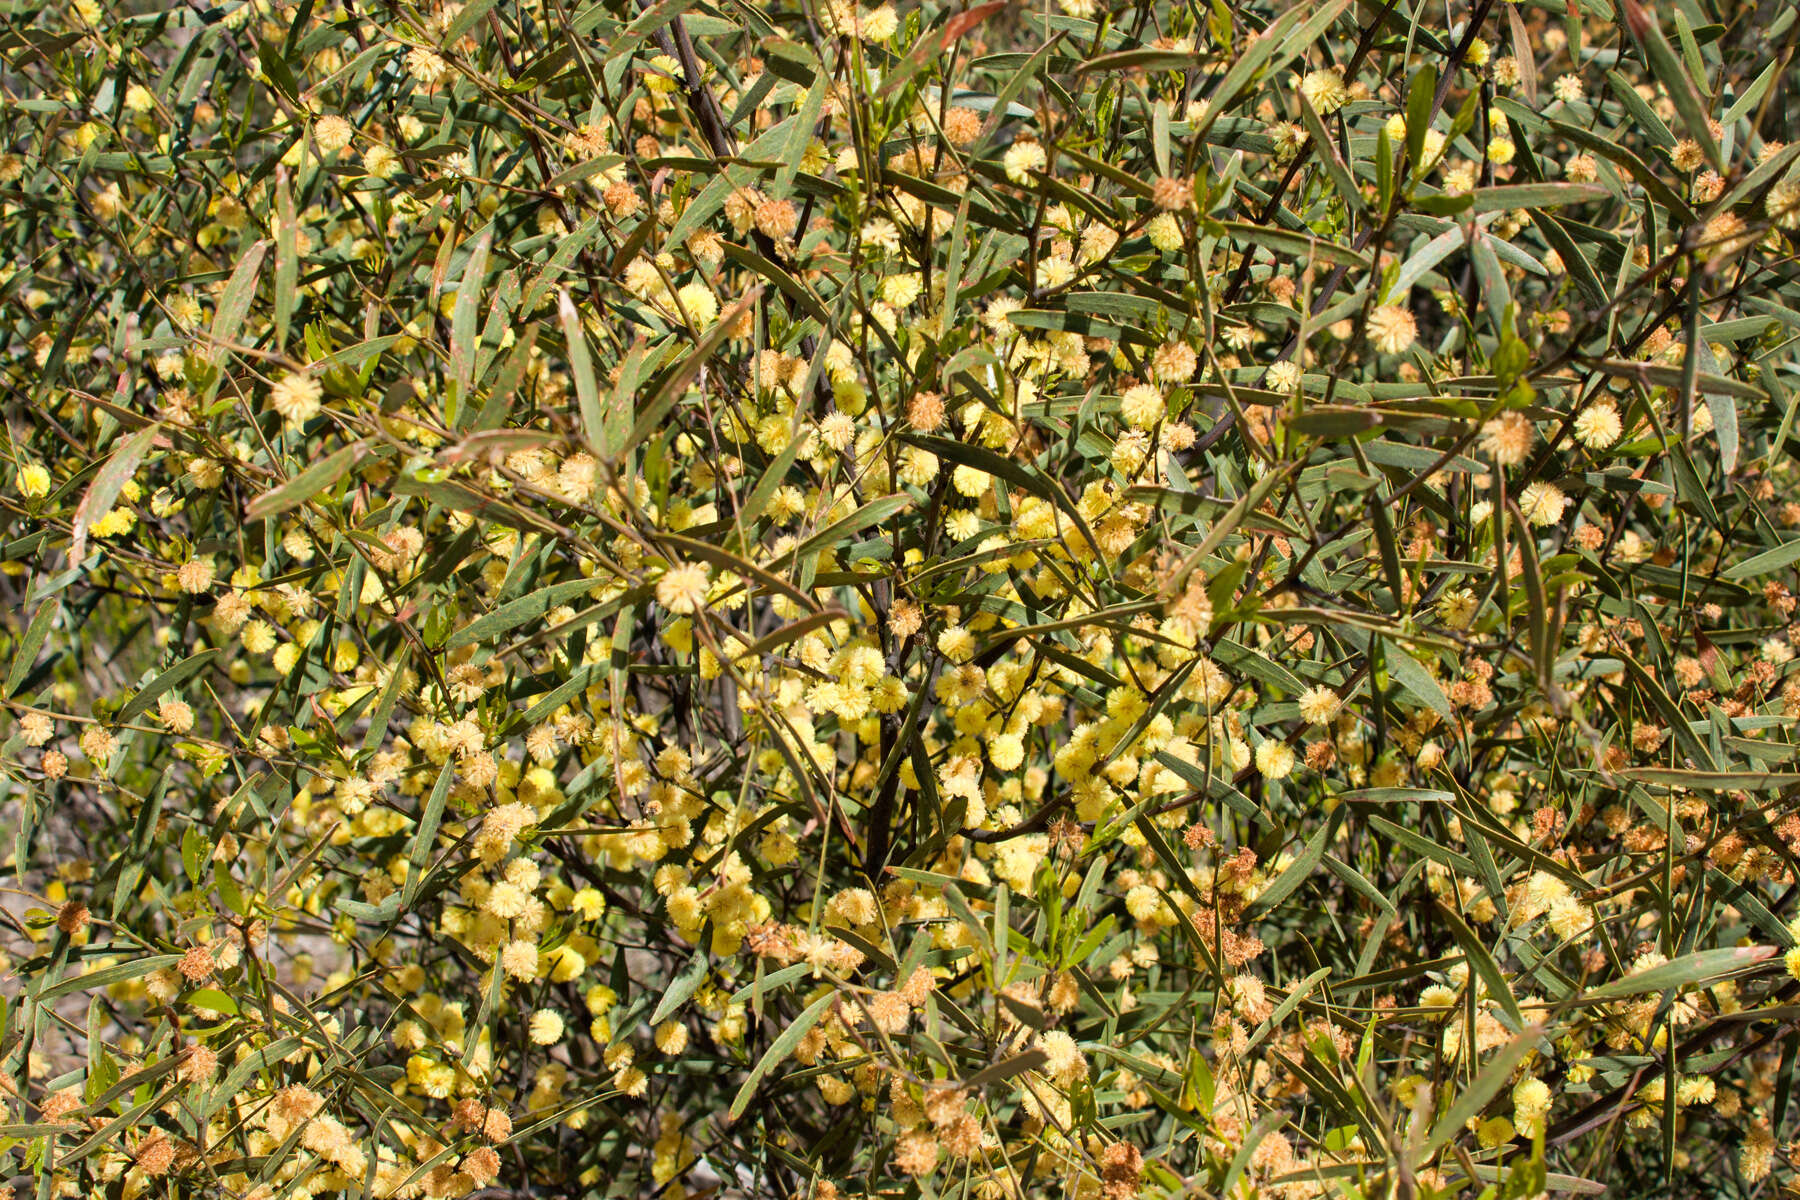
(1304, 864)
(1001, 1071)
(1473, 1099)
(1714, 781)
(581, 366)
(26, 651)
(308, 483)
(463, 336)
(1680, 86)
(675, 384)
(1406, 671)
(98, 500)
(683, 986)
(287, 258)
(751, 573)
(418, 853)
(1690, 970)
(466, 19)
(1766, 563)
(1482, 961)
(762, 985)
(517, 612)
(1419, 95)
(135, 968)
(1535, 195)
(872, 513)
(212, 999)
(240, 290)
(1327, 153)
(174, 677)
(1283, 242)
(779, 1049)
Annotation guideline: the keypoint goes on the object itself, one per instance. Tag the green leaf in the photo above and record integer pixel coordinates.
(1676, 81)
(675, 384)
(1484, 965)
(193, 853)
(102, 1074)
(1160, 699)
(1307, 249)
(240, 290)
(211, 998)
(1714, 781)
(384, 708)
(1001, 1071)
(1535, 195)
(1406, 671)
(1273, 42)
(419, 852)
(1032, 480)
(1235, 656)
(135, 968)
(752, 574)
(1016, 83)
(763, 985)
(683, 986)
(287, 258)
(1327, 153)
(1420, 844)
(1359, 883)
(308, 483)
(779, 1049)
(517, 612)
(600, 427)
(1766, 563)
(1475, 1096)
(463, 333)
(1266, 1124)
(1330, 421)
(1670, 712)
(466, 19)
(1659, 190)
(1388, 548)
(653, 18)
(1115, 306)
(800, 134)
(1496, 293)
(872, 513)
(1159, 136)
(105, 488)
(174, 677)
(1304, 864)
(1536, 602)
(783, 281)
(277, 69)
(26, 651)
(1419, 96)
(1690, 970)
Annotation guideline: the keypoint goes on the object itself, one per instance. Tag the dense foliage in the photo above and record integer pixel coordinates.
(796, 599)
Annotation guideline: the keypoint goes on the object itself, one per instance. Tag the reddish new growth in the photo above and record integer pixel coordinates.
(1121, 1169)
(492, 1123)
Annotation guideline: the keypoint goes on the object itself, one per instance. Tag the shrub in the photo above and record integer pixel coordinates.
(818, 600)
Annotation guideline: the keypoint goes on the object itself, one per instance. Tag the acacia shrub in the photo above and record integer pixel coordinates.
(799, 599)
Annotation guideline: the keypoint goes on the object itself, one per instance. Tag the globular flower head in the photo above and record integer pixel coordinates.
(298, 397)
(682, 588)
(1324, 90)
(1507, 439)
(1392, 329)
(1172, 193)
